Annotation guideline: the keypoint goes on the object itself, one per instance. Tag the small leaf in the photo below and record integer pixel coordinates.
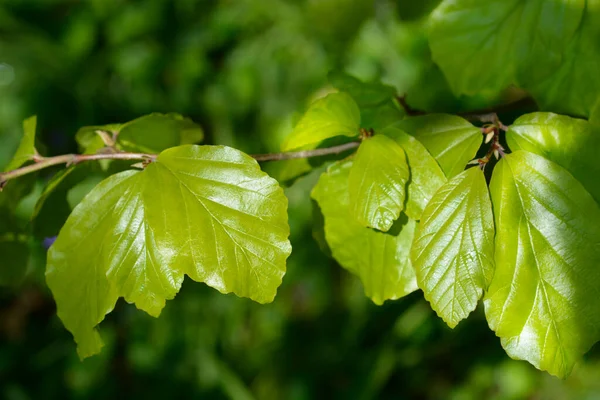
(26, 150)
(377, 183)
(157, 132)
(570, 142)
(453, 249)
(90, 141)
(333, 115)
(451, 140)
(544, 297)
(379, 259)
(365, 94)
(205, 211)
(426, 177)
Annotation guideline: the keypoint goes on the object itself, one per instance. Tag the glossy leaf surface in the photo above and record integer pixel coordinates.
(544, 297)
(380, 260)
(377, 182)
(452, 141)
(26, 149)
(570, 142)
(426, 176)
(453, 251)
(333, 115)
(208, 212)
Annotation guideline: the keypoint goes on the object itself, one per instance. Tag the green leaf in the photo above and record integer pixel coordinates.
(157, 132)
(544, 297)
(89, 140)
(379, 259)
(453, 251)
(573, 87)
(333, 115)
(205, 211)
(571, 143)
(451, 140)
(377, 183)
(365, 94)
(26, 150)
(426, 177)
(489, 45)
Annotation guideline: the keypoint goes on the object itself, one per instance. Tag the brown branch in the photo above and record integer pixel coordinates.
(69, 159)
(72, 159)
(306, 153)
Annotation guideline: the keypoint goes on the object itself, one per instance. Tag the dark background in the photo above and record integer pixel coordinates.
(243, 69)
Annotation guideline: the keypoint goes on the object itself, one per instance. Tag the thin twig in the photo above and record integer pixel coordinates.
(72, 159)
(69, 159)
(306, 153)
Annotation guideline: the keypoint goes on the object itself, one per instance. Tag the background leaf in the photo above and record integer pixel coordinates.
(452, 141)
(26, 149)
(543, 300)
(571, 143)
(333, 115)
(453, 251)
(120, 240)
(379, 259)
(377, 182)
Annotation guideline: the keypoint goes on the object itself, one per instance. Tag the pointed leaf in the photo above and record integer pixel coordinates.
(426, 177)
(570, 142)
(205, 211)
(379, 259)
(453, 250)
(544, 297)
(26, 150)
(452, 141)
(333, 115)
(377, 183)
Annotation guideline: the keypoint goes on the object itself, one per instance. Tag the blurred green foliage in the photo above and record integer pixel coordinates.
(242, 69)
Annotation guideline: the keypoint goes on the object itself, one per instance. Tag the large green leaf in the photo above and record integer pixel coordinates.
(573, 87)
(333, 115)
(377, 182)
(452, 141)
(380, 260)
(544, 297)
(208, 212)
(571, 143)
(426, 177)
(26, 150)
(453, 251)
(488, 45)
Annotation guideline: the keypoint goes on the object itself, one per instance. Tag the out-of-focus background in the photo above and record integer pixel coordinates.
(243, 70)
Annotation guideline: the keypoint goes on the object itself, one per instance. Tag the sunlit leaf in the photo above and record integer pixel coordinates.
(571, 143)
(377, 182)
(380, 260)
(333, 115)
(451, 140)
(26, 150)
(426, 177)
(453, 251)
(544, 297)
(205, 211)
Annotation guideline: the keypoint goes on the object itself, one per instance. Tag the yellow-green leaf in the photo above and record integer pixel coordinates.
(453, 251)
(377, 182)
(26, 150)
(380, 260)
(205, 211)
(333, 115)
(544, 297)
